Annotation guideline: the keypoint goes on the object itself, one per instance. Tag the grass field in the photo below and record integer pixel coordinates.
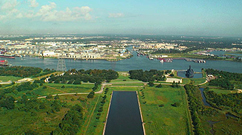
(69, 88)
(167, 119)
(222, 91)
(7, 78)
(198, 81)
(18, 122)
(128, 84)
(52, 89)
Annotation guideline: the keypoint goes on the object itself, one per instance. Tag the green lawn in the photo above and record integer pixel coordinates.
(53, 88)
(222, 91)
(128, 84)
(167, 119)
(198, 81)
(7, 78)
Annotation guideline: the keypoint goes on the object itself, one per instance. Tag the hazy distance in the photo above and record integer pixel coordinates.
(146, 17)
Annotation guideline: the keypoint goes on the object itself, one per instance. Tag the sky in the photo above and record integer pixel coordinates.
(142, 17)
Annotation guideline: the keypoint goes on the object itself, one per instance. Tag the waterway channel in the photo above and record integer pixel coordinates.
(136, 62)
(204, 98)
(124, 116)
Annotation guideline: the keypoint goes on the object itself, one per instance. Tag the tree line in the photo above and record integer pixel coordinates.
(74, 76)
(19, 71)
(147, 76)
(224, 79)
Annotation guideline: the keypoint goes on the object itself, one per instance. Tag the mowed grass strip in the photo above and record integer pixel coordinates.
(7, 78)
(128, 84)
(167, 119)
(57, 89)
(222, 91)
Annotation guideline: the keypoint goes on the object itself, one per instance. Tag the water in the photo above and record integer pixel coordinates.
(124, 115)
(231, 115)
(204, 98)
(136, 62)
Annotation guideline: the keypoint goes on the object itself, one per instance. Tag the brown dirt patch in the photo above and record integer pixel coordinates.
(162, 98)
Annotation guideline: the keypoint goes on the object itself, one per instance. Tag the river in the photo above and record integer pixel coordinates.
(124, 115)
(136, 62)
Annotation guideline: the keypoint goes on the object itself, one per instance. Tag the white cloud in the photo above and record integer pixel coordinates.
(48, 13)
(9, 5)
(45, 13)
(116, 15)
(33, 3)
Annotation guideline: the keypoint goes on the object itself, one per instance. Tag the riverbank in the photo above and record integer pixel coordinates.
(111, 58)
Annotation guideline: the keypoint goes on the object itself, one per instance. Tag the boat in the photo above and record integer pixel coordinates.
(169, 60)
(7, 56)
(189, 73)
(3, 63)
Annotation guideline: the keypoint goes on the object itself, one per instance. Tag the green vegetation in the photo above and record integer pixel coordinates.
(198, 81)
(19, 71)
(9, 78)
(225, 79)
(147, 76)
(222, 91)
(165, 110)
(53, 88)
(164, 106)
(231, 102)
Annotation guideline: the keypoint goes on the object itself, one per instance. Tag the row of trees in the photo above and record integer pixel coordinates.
(147, 76)
(195, 107)
(92, 75)
(19, 71)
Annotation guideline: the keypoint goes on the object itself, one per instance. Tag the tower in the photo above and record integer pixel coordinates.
(61, 66)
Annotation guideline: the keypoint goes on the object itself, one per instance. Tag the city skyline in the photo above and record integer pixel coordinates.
(198, 18)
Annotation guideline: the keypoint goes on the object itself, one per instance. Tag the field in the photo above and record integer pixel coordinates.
(198, 81)
(7, 78)
(69, 88)
(167, 119)
(222, 91)
(52, 89)
(18, 122)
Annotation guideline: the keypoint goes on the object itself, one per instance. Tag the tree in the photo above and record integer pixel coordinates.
(151, 84)
(57, 97)
(8, 103)
(176, 104)
(159, 86)
(91, 94)
(49, 96)
(173, 84)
